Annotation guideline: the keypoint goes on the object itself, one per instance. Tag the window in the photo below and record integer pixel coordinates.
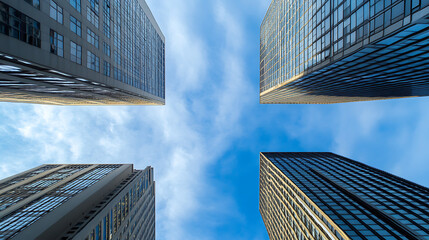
(56, 12)
(94, 4)
(106, 68)
(34, 3)
(18, 25)
(398, 11)
(106, 49)
(92, 38)
(57, 43)
(75, 53)
(106, 18)
(92, 16)
(117, 58)
(75, 26)
(93, 62)
(75, 4)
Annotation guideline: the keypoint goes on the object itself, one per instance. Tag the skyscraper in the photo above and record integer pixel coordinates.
(81, 52)
(332, 51)
(85, 201)
(326, 196)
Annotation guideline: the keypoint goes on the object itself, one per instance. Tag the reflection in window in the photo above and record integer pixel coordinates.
(92, 17)
(106, 49)
(75, 26)
(106, 67)
(34, 3)
(75, 4)
(93, 62)
(57, 43)
(75, 53)
(91, 37)
(18, 25)
(56, 12)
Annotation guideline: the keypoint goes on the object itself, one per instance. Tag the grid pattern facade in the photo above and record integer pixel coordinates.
(127, 213)
(81, 52)
(330, 51)
(38, 196)
(306, 193)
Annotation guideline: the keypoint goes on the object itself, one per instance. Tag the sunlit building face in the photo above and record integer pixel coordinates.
(327, 196)
(332, 51)
(78, 201)
(81, 52)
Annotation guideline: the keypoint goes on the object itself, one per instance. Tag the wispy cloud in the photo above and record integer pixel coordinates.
(181, 140)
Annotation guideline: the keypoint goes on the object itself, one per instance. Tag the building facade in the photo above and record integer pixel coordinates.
(81, 52)
(332, 51)
(327, 196)
(79, 201)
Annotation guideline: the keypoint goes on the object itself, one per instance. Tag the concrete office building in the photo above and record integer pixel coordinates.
(81, 52)
(333, 51)
(327, 196)
(79, 201)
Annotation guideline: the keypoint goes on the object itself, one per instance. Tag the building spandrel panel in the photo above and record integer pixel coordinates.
(104, 52)
(326, 196)
(333, 51)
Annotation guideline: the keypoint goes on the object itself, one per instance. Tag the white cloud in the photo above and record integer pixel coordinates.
(181, 140)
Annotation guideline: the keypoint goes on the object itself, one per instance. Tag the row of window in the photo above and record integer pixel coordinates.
(117, 215)
(133, 64)
(93, 62)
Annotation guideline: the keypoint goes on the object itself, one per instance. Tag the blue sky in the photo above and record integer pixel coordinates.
(205, 143)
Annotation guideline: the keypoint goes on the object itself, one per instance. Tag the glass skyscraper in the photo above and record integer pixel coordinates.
(332, 51)
(79, 201)
(81, 52)
(327, 196)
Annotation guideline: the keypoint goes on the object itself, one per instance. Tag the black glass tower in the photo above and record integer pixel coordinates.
(327, 196)
(332, 51)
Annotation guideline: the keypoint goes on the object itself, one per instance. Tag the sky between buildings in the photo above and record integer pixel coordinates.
(205, 143)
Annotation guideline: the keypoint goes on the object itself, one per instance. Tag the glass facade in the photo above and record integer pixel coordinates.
(21, 218)
(126, 28)
(15, 24)
(329, 51)
(326, 196)
(114, 201)
(126, 211)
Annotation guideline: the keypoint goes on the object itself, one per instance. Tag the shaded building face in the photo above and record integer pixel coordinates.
(89, 201)
(331, 51)
(326, 196)
(81, 52)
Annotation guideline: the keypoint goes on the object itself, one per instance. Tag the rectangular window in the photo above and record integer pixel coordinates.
(76, 4)
(106, 67)
(91, 37)
(93, 62)
(94, 5)
(34, 3)
(106, 49)
(56, 12)
(57, 43)
(117, 58)
(75, 26)
(75, 53)
(18, 25)
(92, 17)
